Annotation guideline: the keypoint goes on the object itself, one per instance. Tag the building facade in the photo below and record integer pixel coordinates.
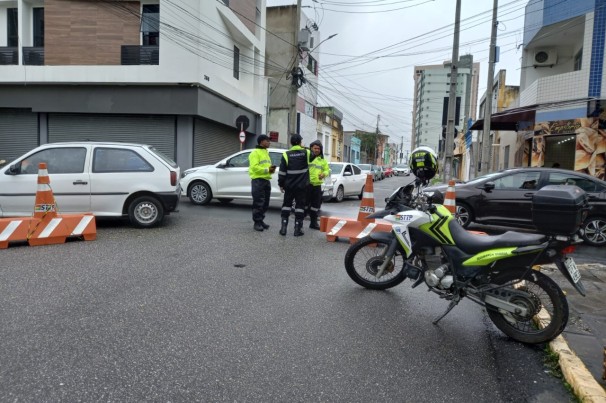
(176, 76)
(430, 101)
(332, 117)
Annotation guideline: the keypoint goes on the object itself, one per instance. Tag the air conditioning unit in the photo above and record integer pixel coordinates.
(545, 57)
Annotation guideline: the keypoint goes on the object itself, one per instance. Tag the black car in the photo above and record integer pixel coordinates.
(505, 197)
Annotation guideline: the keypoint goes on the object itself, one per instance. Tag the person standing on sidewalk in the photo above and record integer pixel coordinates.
(260, 170)
(293, 179)
(318, 170)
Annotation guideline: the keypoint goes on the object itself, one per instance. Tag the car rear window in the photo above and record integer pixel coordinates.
(163, 157)
(119, 160)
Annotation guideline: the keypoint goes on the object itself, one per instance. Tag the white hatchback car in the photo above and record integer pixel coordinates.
(347, 180)
(228, 179)
(106, 179)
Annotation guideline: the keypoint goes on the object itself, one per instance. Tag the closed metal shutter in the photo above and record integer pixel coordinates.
(18, 133)
(213, 142)
(157, 131)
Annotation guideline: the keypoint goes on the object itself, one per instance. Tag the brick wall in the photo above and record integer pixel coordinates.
(80, 32)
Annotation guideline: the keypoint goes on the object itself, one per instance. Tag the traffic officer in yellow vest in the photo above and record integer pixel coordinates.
(260, 170)
(293, 179)
(318, 170)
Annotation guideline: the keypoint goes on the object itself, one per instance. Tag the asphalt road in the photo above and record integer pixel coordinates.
(206, 309)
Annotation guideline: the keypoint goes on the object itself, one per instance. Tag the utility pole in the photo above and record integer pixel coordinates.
(377, 142)
(293, 88)
(452, 99)
(486, 146)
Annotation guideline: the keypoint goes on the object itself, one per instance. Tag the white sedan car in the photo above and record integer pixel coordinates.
(347, 180)
(228, 179)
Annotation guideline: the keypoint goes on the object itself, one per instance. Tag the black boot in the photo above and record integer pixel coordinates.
(284, 226)
(298, 228)
(314, 223)
(265, 226)
(258, 226)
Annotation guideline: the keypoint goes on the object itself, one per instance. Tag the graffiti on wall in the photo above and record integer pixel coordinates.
(590, 149)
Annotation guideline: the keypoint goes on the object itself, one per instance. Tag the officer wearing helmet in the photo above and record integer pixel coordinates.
(423, 163)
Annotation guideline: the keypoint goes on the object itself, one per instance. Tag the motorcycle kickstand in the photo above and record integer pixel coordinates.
(452, 304)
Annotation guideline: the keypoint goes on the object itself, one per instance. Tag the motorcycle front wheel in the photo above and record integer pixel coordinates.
(363, 260)
(546, 305)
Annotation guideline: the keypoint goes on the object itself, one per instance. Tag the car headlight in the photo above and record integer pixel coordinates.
(185, 173)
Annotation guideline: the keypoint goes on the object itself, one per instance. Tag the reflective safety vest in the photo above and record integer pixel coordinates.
(316, 167)
(294, 168)
(259, 163)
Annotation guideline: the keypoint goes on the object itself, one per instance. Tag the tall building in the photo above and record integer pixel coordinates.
(292, 69)
(430, 102)
(175, 75)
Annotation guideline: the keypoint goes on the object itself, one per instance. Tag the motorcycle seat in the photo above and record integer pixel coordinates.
(473, 243)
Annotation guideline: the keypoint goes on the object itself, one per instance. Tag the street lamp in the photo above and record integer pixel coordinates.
(322, 41)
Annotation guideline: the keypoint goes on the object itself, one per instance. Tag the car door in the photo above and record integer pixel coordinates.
(69, 181)
(275, 157)
(359, 179)
(233, 179)
(348, 179)
(510, 200)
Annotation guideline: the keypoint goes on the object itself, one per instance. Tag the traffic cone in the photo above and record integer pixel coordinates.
(45, 205)
(367, 206)
(450, 199)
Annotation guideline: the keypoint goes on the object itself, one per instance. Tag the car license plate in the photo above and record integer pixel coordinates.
(571, 266)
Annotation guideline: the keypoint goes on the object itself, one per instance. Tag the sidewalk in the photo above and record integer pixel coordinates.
(585, 334)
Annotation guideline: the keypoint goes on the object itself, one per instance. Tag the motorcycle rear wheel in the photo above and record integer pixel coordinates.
(546, 303)
(362, 262)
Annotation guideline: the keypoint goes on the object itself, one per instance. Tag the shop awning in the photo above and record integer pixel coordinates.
(512, 120)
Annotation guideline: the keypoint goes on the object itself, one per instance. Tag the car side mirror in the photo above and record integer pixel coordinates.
(346, 173)
(12, 170)
(488, 186)
(222, 165)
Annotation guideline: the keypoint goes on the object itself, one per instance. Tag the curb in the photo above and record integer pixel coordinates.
(576, 373)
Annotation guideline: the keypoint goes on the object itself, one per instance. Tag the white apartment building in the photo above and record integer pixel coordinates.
(173, 74)
(430, 102)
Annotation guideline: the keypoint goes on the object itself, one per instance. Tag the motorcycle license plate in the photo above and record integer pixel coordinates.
(571, 266)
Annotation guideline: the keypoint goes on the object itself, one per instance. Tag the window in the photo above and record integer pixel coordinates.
(38, 27)
(347, 170)
(12, 27)
(239, 161)
(309, 109)
(556, 178)
(150, 24)
(312, 64)
(107, 160)
(236, 63)
(58, 160)
(578, 60)
(276, 158)
(311, 42)
(518, 181)
(357, 171)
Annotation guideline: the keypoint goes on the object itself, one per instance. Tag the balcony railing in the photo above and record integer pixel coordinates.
(33, 56)
(9, 55)
(137, 55)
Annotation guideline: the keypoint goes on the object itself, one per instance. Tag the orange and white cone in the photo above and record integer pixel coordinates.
(45, 200)
(450, 198)
(367, 206)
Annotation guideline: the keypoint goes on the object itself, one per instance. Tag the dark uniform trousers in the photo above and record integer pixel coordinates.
(261, 191)
(299, 196)
(314, 200)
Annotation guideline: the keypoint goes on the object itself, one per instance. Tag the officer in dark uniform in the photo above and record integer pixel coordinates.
(293, 179)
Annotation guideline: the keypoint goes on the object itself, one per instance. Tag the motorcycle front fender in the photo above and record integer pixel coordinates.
(386, 237)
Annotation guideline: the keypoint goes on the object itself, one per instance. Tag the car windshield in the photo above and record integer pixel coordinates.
(364, 167)
(401, 166)
(483, 177)
(335, 168)
(163, 157)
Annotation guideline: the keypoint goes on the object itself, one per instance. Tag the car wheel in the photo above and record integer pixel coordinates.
(145, 212)
(340, 194)
(225, 200)
(463, 214)
(361, 195)
(199, 193)
(594, 231)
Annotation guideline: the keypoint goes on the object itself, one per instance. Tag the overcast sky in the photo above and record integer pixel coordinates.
(367, 69)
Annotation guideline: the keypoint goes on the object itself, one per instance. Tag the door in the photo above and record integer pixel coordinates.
(232, 178)
(69, 181)
(510, 201)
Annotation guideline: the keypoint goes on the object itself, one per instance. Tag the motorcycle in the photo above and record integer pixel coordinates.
(428, 245)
